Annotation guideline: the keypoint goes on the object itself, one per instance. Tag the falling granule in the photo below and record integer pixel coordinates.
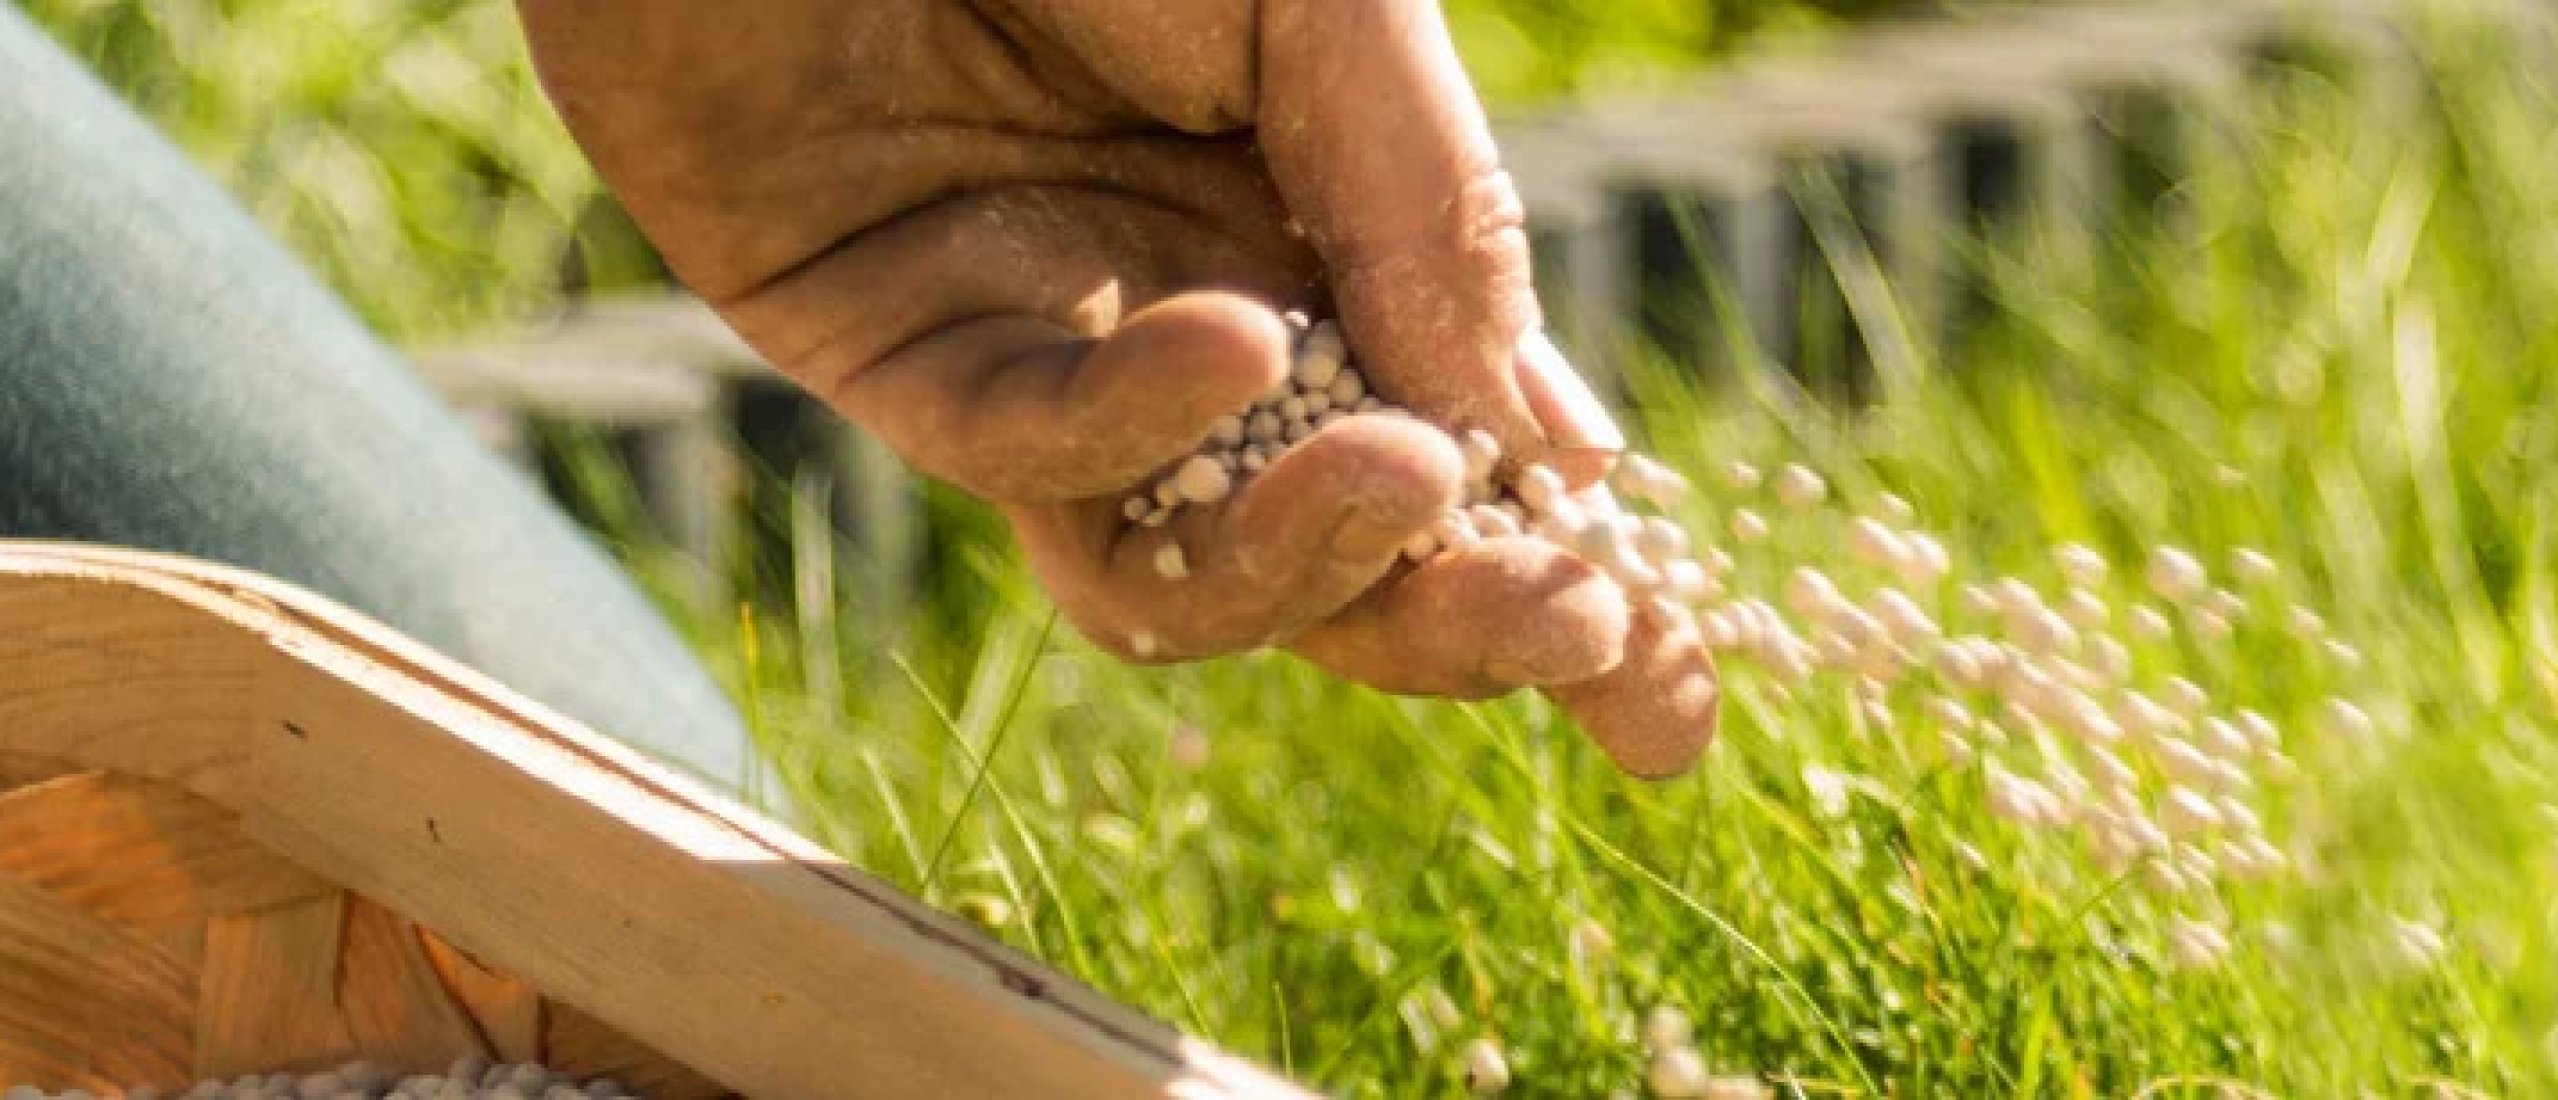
(2185, 697)
(2278, 768)
(1591, 941)
(1441, 1008)
(2185, 812)
(1964, 665)
(1748, 526)
(2225, 738)
(2224, 603)
(1799, 488)
(1875, 541)
(2251, 566)
(2240, 818)
(2111, 772)
(1810, 592)
(1188, 747)
(2142, 716)
(2020, 800)
(1487, 1070)
(987, 910)
(1895, 510)
(2175, 575)
(1690, 582)
(1980, 599)
(2252, 857)
(1641, 477)
(1718, 630)
(1677, 1071)
(2420, 945)
(2149, 625)
(1926, 560)
(2346, 720)
(2080, 563)
(1949, 712)
(2085, 609)
(1667, 1027)
(1737, 1088)
(2196, 944)
(1903, 618)
(2111, 659)
(1827, 790)
(2042, 632)
(2262, 734)
(1957, 748)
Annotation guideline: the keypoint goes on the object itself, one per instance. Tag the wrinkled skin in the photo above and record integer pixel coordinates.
(1038, 245)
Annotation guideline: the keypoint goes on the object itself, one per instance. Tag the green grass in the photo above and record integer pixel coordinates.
(2337, 351)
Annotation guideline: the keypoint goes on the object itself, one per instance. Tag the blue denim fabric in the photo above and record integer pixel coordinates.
(171, 379)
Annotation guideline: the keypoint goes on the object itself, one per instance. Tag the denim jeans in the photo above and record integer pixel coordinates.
(171, 379)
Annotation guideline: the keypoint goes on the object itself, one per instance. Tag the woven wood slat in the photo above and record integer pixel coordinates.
(83, 1002)
(140, 854)
(394, 1002)
(269, 990)
(505, 1012)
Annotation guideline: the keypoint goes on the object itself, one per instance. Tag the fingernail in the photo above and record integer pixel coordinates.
(1562, 400)
(1411, 483)
(1369, 532)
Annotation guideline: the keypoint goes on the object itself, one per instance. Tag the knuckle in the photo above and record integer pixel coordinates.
(1491, 226)
(1487, 213)
(1456, 285)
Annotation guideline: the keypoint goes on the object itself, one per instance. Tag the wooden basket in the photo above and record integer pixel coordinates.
(243, 829)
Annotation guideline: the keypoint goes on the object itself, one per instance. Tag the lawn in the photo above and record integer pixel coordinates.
(2330, 351)
(2331, 346)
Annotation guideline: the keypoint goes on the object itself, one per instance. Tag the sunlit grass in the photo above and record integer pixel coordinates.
(2336, 354)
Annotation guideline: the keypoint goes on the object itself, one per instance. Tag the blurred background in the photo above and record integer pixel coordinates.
(405, 149)
(2237, 277)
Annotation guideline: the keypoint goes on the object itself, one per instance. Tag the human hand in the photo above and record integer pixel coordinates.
(1038, 246)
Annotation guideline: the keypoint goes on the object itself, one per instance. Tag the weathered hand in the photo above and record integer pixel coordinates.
(1039, 245)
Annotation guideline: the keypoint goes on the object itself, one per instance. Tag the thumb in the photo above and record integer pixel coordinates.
(1381, 150)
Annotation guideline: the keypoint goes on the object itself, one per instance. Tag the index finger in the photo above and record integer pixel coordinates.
(1381, 149)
